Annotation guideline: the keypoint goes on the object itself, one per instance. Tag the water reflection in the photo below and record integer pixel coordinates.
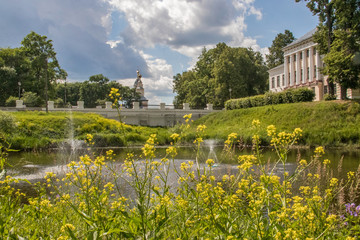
(34, 165)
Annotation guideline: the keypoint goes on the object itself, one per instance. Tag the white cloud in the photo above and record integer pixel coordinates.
(158, 86)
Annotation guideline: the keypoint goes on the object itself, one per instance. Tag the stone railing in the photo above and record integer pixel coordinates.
(154, 115)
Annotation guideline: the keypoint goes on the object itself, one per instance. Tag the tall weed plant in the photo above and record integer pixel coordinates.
(145, 197)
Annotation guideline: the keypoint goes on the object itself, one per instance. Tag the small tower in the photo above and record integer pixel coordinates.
(139, 88)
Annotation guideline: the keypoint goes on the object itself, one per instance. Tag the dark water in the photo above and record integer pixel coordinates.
(34, 165)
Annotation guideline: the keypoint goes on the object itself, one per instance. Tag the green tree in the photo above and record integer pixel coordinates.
(340, 61)
(69, 92)
(98, 87)
(44, 65)
(276, 54)
(14, 69)
(99, 78)
(338, 39)
(221, 73)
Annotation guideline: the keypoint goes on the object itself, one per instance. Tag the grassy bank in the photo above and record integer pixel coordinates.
(323, 123)
(32, 130)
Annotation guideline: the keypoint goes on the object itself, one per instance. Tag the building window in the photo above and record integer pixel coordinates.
(301, 56)
(302, 74)
(294, 57)
(314, 71)
(278, 81)
(273, 82)
(295, 76)
(308, 53)
(325, 89)
(283, 80)
(289, 78)
(314, 51)
(308, 73)
(288, 59)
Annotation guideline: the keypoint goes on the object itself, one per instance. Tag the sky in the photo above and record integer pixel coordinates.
(160, 38)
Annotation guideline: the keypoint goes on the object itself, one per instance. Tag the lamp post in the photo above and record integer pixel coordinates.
(19, 84)
(230, 92)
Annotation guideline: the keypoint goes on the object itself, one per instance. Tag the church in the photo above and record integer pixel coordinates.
(301, 68)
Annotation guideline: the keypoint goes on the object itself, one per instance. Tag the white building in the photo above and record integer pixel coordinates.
(301, 68)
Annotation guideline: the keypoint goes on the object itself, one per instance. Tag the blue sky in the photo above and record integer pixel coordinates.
(160, 38)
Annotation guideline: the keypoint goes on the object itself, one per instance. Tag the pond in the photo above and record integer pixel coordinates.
(34, 165)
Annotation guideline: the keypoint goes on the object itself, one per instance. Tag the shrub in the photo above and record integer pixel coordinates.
(271, 98)
(328, 97)
(32, 99)
(7, 122)
(59, 103)
(100, 102)
(11, 101)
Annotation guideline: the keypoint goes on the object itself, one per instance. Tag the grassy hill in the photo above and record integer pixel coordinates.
(32, 130)
(335, 123)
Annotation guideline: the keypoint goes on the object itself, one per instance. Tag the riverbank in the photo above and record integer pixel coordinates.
(34, 130)
(330, 124)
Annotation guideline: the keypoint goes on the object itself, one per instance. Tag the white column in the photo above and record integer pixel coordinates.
(298, 68)
(304, 66)
(50, 105)
(209, 107)
(19, 104)
(80, 104)
(318, 65)
(292, 69)
(311, 56)
(286, 72)
(108, 105)
(136, 105)
(186, 106)
(162, 106)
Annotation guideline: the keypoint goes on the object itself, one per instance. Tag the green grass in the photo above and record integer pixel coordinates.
(35, 130)
(323, 123)
(335, 124)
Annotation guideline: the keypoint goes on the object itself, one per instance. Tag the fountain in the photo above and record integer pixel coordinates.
(212, 155)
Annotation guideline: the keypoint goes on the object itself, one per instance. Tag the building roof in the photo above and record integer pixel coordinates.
(303, 38)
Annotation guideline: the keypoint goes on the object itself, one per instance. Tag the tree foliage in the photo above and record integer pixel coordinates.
(276, 54)
(221, 73)
(338, 38)
(29, 65)
(45, 67)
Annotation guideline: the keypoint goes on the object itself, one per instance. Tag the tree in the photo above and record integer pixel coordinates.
(44, 65)
(14, 69)
(276, 54)
(338, 39)
(99, 78)
(340, 61)
(324, 35)
(221, 73)
(98, 87)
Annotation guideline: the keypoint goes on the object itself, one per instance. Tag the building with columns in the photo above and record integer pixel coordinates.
(301, 68)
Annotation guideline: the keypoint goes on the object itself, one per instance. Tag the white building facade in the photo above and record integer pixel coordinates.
(301, 68)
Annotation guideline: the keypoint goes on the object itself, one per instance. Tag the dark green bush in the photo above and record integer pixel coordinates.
(271, 98)
(59, 103)
(7, 122)
(328, 97)
(32, 99)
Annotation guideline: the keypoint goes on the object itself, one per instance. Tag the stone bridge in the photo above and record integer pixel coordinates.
(159, 115)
